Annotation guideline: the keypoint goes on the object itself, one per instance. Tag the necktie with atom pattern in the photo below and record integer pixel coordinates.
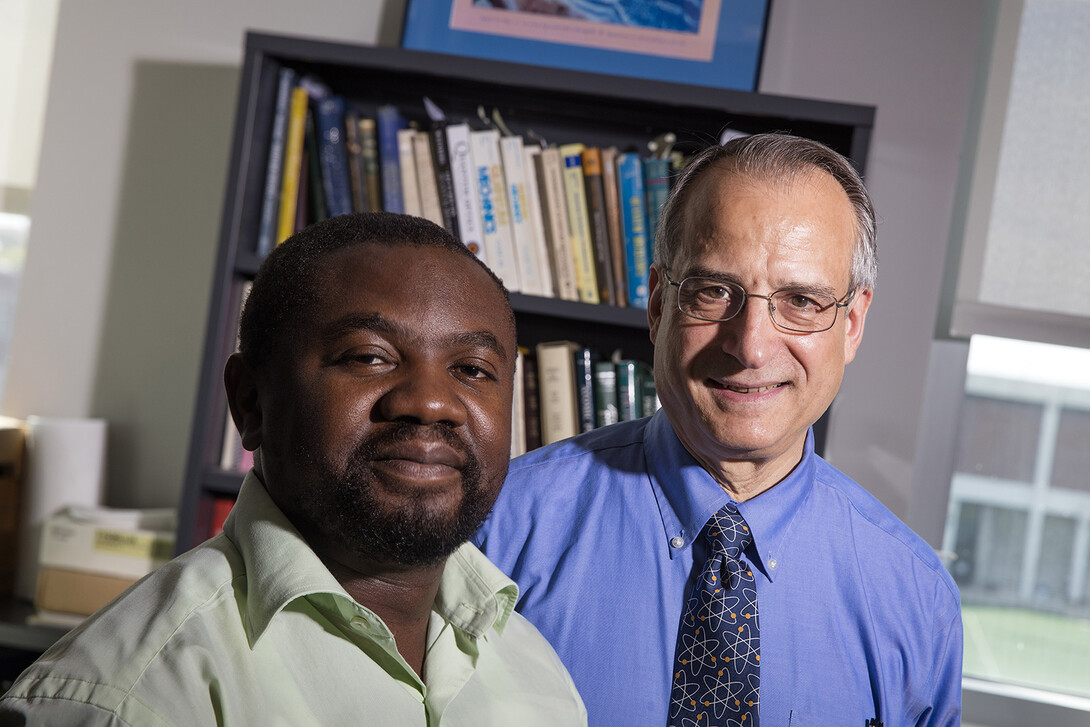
(717, 661)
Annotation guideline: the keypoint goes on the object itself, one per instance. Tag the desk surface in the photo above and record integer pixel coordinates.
(16, 633)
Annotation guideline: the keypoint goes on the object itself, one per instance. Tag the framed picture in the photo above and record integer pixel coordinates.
(703, 42)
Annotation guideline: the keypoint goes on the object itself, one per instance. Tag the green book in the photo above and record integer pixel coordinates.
(605, 394)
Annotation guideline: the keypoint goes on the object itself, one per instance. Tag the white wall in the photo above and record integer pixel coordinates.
(116, 288)
(916, 62)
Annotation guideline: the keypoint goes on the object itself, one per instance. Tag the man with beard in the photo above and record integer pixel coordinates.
(374, 385)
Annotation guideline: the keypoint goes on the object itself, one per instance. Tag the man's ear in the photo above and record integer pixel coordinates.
(854, 320)
(240, 380)
(655, 282)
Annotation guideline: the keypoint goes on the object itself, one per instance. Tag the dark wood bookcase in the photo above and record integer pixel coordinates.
(557, 105)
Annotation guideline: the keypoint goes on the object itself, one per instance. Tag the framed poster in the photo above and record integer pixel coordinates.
(703, 42)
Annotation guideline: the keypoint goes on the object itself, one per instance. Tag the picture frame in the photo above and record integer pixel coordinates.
(716, 43)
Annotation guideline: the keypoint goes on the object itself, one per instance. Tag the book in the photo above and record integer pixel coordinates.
(293, 163)
(440, 150)
(518, 406)
(274, 169)
(389, 121)
(634, 227)
(496, 233)
(372, 177)
(333, 155)
(598, 228)
(355, 161)
(219, 510)
(527, 247)
(531, 399)
(584, 359)
(410, 187)
(605, 394)
(430, 206)
(550, 182)
(312, 198)
(533, 210)
(649, 400)
(628, 390)
(463, 178)
(556, 390)
(618, 264)
(575, 196)
(656, 182)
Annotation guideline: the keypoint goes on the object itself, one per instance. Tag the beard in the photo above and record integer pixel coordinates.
(415, 533)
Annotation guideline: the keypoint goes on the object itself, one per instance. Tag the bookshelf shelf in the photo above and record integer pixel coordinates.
(541, 103)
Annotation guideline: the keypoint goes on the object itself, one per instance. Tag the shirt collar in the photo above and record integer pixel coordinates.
(473, 596)
(687, 496)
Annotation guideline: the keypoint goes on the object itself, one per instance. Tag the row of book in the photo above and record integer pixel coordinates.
(572, 221)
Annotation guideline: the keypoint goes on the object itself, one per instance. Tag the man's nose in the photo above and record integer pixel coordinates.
(426, 395)
(750, 335)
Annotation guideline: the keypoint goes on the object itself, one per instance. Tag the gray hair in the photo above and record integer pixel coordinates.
(775, 157)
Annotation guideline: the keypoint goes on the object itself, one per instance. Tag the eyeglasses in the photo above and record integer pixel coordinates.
(800, 311)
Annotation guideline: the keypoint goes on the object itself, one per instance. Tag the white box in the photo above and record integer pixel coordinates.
(120, 543)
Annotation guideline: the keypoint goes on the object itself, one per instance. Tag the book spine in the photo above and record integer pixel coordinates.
(293, 163)
(556, 387)
(578, 222)
(410, 186)
(613, 223)
(628, 390)
(333, 157)
(430, 206)
(605, 394)
(270, 203)
(463, 177)
(522, 226)
(533, 209)
(634, 224)
(599, 228)
(444, 181)
(555, 214)
(496, 233)
(584, 387)
(649, 399)
(355, 161)
(518, 406)
(312, 205)
(369, 155)
(656, 182)
(390, 121)
(531, 400)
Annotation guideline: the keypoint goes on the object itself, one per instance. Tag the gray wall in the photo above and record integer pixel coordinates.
(116, 288)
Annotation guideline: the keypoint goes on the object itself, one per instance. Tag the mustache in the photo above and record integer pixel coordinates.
(398, 432)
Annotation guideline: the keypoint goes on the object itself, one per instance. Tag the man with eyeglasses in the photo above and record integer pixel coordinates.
(704, 566)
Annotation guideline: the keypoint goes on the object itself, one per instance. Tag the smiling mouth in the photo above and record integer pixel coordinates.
(752, 389)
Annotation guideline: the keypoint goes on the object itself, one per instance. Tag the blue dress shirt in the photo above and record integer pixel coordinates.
(859, 619)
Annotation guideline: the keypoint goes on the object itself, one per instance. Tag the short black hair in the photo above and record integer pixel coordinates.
(284, 288)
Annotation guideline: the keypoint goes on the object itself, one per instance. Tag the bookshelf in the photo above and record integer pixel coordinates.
(557, 105)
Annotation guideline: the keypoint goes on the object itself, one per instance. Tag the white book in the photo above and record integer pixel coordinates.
(537, 222)
(410, 188)
(556, 390)
(496, 232)
(425, 178)
(554, 207)
(464, 176)
(518, 408)
(522, 226)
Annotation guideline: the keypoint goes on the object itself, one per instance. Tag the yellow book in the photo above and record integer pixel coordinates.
(571, 156)
(293, 161)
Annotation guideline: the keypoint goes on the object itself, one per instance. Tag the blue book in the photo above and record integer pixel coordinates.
(656, 183)
(637, 247)
(390, 121)
(270, 204)
(333, 156)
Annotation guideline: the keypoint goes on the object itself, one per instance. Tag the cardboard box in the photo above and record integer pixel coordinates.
(76, 592)
(118, 543)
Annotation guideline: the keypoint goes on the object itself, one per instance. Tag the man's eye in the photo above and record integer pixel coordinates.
(713, 292)
(800, 301)
(474, 372)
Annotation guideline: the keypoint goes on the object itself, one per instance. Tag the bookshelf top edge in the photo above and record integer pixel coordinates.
(462, 68)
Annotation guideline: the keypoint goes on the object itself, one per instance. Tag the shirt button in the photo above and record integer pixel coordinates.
(677, 541)
(772, 564)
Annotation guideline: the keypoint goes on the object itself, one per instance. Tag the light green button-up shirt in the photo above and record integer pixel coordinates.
(250, 628)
